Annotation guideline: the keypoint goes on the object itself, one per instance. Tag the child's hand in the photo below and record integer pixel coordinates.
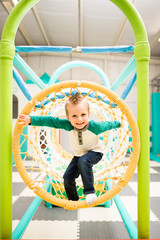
(24, 119)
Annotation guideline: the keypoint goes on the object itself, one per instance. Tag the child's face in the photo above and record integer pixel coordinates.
(78, 115)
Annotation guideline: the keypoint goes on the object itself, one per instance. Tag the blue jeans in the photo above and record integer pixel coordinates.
(81, 166)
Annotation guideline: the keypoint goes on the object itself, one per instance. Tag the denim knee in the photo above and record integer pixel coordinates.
(67, 179)
(82, 162)
(67, 182)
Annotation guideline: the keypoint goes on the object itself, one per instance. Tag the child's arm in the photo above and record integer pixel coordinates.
(46, 121)
(100, 127)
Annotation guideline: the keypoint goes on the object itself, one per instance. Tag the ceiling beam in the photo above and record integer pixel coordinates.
(8, 7)
(155, 40)
(40, 25)
(80, 22)
(121, 29)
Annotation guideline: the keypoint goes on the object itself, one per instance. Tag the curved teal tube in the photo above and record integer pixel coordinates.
(73, 64)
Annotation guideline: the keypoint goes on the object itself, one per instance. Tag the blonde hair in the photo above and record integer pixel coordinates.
(75, 100)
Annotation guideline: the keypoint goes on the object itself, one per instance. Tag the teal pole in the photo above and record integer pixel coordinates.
(128, 222)
(7, 52)
(19, 230)
(22, 225)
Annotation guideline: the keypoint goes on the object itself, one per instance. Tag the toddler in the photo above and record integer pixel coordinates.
(85, 143)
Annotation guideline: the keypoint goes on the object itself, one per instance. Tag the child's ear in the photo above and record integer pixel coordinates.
(67, 117)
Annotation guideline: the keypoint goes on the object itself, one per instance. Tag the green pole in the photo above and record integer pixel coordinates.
(142, 55)
(144, 162)
(7, 52)
(6, 60)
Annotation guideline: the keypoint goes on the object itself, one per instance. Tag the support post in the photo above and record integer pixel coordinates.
(7, 52)
(142, 53)
(6, 65)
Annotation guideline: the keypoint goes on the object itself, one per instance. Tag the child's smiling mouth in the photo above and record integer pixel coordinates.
(80, 123)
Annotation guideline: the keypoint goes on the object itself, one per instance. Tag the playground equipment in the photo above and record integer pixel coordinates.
(54, 166)
(116, 166)
(142, 59)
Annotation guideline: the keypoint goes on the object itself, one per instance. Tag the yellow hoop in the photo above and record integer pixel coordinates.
(135, 143)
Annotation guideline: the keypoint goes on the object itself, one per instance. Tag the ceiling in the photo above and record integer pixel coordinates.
(83, 23)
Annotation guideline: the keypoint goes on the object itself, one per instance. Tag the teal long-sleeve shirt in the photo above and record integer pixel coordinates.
(83, 140)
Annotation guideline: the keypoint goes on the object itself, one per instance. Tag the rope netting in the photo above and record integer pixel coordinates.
(44, 161)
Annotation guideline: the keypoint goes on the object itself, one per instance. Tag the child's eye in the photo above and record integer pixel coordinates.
(83, 114)
(74, 116)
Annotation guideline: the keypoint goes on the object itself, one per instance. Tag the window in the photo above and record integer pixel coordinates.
(15, 106)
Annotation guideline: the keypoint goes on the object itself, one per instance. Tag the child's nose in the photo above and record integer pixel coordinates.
(79, 118)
